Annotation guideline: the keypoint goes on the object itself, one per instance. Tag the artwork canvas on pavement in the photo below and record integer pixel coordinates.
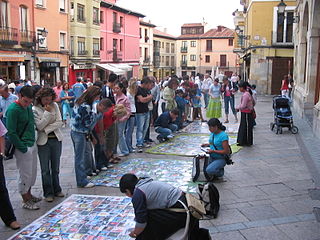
(84, 217)
(187, 145)
(174, 172)
(202, 127)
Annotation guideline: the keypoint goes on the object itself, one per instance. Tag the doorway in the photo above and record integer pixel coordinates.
(280, 67)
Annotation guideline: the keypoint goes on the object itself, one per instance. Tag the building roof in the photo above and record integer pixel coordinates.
(159, 33)
(147, 24)
(120, 9)
(212, 33)
(215, 33)
(192, 25)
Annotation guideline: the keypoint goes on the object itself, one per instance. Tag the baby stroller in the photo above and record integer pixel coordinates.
(282, 115)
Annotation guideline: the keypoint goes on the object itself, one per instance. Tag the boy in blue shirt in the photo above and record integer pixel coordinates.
(164, 125)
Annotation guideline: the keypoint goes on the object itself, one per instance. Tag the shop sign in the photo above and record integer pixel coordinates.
(50, 64)
(11, 59)
(83, 66)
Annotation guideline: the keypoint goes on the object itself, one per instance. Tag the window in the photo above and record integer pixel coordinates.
(146, 38)
(101, 16)
(230, 43)
(96, 47)
(193, 43)
(223, 60)
(101, 43)
(172, 48)
(207, 58)
(172, 61)
(62, 5)
(115, 17)
(121, 21)
(121, 45)
(81, 46)
(3, 14)
(167, 60)
(140, 33)
(23, 19)
(285, 27)
(72, 45)
(162, 45)
(167, 47)
(184, 44)
(62, 40)
(40, 3)
(95, 15)
(162, 59)
(192, 57)
(209, 45)
(80, 13)
(184, 59)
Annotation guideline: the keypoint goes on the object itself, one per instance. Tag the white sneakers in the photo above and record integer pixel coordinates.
(89, 185)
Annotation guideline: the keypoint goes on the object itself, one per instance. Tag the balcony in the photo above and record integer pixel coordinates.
(184, 63)
(8, 36)
(27, 38)
(116, 27)
(184, 49)
(82, 52)
(156, 51)
(146, 61)
(222, 64)
(96, 52)
(117, 56)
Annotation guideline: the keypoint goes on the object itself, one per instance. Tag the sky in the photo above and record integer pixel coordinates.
(171, 14)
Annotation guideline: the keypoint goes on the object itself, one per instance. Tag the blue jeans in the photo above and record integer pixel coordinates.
(216, 167)
(79, 144)
(66, 111)
(142, 127)
(129, 131)
(122, 140)
(49, 156)
(164, 132)
(227, 100)
(89, 163)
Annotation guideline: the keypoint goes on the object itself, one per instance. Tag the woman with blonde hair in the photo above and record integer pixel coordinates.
(131, 93)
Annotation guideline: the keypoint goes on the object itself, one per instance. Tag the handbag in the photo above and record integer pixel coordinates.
(227, 157)
(196, 206)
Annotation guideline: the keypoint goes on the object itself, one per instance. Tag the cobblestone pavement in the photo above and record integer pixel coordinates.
(265, 195)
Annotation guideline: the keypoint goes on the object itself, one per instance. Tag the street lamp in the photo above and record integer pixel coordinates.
(241, 36)
(281, 7)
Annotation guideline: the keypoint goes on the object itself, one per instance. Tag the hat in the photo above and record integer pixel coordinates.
(2, 84)
(12, 85)
(17, 89)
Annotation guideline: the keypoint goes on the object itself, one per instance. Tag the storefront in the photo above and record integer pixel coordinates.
(49, 70)
(14, 67)
(83, 70)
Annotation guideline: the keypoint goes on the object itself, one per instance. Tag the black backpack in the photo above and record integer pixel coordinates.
(209, 194)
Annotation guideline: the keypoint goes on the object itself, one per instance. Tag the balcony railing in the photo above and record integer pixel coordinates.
(27, 38)
(184, 63)
(117, 56)
(82, 52)
(8, 36)
(184, 49)
(96, 52)
(222, 64)
(116, 27)
(146, 61)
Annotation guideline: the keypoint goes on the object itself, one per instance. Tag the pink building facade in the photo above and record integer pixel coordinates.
(119, 41)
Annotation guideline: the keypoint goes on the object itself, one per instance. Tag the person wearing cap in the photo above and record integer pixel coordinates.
(6, 99)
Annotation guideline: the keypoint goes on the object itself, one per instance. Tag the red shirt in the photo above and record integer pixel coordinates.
(108, 118)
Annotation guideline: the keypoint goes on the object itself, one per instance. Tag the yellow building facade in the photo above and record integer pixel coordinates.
(146, 49)
(266, 42)
(164, 54)
(84, 38)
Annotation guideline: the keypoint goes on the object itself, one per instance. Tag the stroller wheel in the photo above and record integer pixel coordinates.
(294, 130)
(279, 130)
(271, 126)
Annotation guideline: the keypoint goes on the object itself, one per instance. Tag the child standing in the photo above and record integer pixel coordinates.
(196, 103)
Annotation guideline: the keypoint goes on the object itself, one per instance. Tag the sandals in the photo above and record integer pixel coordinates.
(30, 205)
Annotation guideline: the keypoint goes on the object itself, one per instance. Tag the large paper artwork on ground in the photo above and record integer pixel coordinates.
(187, 145)
(174, 172)
(85, 217)
(202, 127)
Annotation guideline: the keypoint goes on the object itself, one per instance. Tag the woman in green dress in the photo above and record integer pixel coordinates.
(214, 107)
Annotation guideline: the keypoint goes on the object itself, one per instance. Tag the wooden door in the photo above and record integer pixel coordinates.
(280, 67)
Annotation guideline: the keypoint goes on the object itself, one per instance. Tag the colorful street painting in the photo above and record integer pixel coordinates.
(202, 127)
(84, 217)
(174, 172)
(187, 145)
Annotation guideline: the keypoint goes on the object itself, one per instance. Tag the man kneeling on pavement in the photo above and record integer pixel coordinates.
(165, 125)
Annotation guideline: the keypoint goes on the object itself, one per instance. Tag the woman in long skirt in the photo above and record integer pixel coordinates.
(245, 132)
(214, 107)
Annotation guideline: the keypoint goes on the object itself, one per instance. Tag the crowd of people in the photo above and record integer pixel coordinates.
(102, 117)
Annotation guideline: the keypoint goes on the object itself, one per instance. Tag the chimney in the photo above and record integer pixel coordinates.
(220, 28)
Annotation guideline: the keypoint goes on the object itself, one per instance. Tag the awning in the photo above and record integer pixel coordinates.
(48, 59)
(11, 58)
(123, 66)
(111, 68)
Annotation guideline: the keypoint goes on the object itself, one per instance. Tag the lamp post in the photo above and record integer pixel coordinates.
(43, 33)
(281, 7)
